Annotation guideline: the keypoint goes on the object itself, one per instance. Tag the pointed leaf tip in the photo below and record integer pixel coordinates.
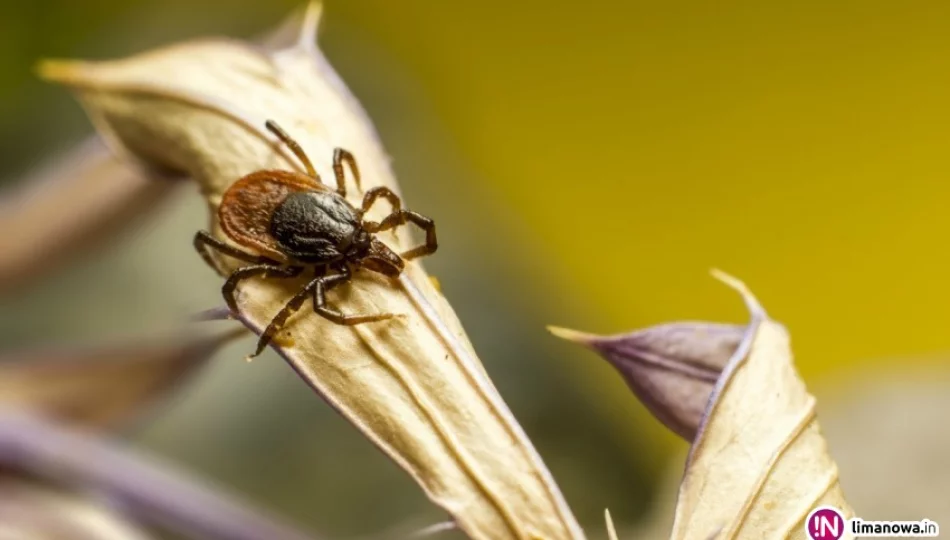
(671, 368)
(575, 336)
(57, 69)
(220, 313)
(611, 530)
(674, 368)
(759, 461)
(310, 25)
(752, 303)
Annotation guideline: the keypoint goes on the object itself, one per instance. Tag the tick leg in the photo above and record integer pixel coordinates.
(318, 286)
(204, 243)
(381, 191)
(328, 282)
(401, 218)
(341, 156)
(294, 147)
(277, 323)
(318, 271)
(249, 271)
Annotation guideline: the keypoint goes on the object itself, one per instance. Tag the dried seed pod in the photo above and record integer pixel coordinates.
(671, 368)
(413, 386)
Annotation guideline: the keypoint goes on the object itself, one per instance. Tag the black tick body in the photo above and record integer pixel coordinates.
(318, 228)
(293, 222)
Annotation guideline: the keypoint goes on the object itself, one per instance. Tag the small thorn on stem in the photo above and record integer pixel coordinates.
(221, 313)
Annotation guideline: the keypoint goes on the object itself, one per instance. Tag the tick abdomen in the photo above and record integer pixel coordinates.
(315, 226)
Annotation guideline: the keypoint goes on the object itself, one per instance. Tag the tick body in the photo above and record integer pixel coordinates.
(291, 224)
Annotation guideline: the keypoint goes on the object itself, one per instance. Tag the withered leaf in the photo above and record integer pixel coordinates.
(57, 456)
(759, 464)
(671, 368)
(611, 529)
(413, 385)
(71, 204)
(84, 197)
(102, 385)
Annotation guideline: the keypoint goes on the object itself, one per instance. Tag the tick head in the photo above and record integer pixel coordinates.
(381, 259)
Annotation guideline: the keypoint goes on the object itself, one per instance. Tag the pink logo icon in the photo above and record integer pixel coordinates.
(825, 523)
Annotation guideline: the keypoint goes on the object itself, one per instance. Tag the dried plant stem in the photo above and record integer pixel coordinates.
(151, 491)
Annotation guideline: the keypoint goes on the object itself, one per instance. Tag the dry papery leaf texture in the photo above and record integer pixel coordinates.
(90, 476)
(55, 401)
(74, 202)
(871, 425)
(105, 385)
(671, 368)
(83, 198)
(413, 384)
(758, 462)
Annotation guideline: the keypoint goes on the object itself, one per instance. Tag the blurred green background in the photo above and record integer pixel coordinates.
(586, 165)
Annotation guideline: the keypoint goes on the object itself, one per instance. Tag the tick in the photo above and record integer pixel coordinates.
(292, 223)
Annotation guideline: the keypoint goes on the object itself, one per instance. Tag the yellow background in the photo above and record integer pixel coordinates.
(801, 146)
